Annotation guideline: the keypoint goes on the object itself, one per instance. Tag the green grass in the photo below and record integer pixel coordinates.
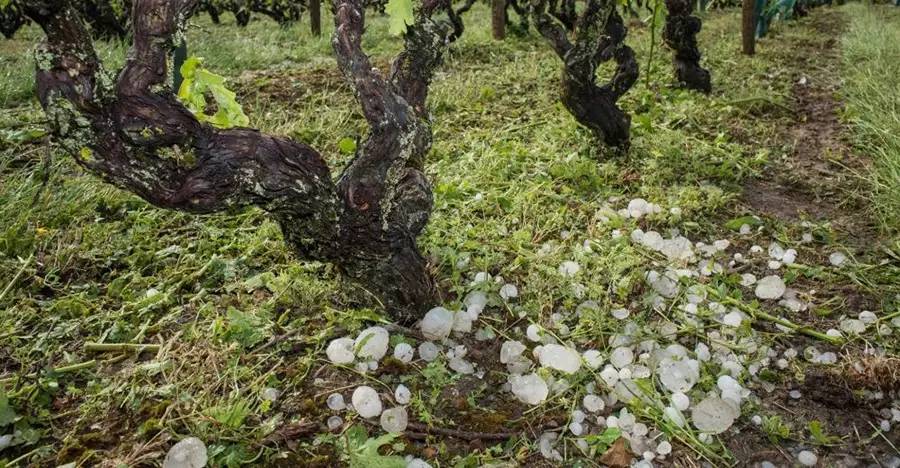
(519, 188)
(871, 73)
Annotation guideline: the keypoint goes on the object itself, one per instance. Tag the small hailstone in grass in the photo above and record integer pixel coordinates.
(334, 423)
(744, 229)
(675, 211)
(340, 351)
(404, 352)
(853, 326)
(372, 343)
(621, 357)
(545, 445)
(394, 420)
(770, 287)
(837, 258)
(593, 403)
(722, 244)
(673, 416)
(519, 365)
(335, 402)
(833, 333)
(428, 351)
(885, 425)
(560, 358)
(756, 249)
(790, 353)
(609, 375)
(5, 441)
(510, 350)
(774, 264)
(705, 438)
(826, 358)
(790, 256)
(509, 291)
(616, 233)
(776, 251)
(867, 317)
(461, 366)
(625, 373)
(372, 365)
(620, 314)
(806, 238)
(681, 401)
(664, 448)
(366, 401)
(569, 269)
(481, 277)
(639, 429)
(884, 329)
(437, 323)
(576, 428)
(733, 319)
(270, 394)
(530, 389)
(533, 332)
(702, 352)
(578, 416)
(807, 458)
(612, 421)
(593, 358)
(781, 363)
(795, 394)
(475, 302)
(418, 463)
(756, 419)
(187, 453)
(666, 285)
(713, 415)
(484, 334)
(648, 455)
(678, 375)
(402, 394)
(362, 367)
(462, 322)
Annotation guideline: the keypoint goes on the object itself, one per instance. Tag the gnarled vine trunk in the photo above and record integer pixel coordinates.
(599, 37)
(680, 34)
(131, 130)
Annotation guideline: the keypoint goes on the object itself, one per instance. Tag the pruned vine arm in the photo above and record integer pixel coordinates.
(550, 28)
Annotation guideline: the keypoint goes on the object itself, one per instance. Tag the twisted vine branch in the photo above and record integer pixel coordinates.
(680, 34)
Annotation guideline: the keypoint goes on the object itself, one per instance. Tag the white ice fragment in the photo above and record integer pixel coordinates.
(402, 395)
(428, 351)
(576, 428)
(609, 375)
(621, 357)
(404, 352)
(868, 317)
(334, 423)
(462, 322)
(770, 287)
(674, 416)
(837, 258)
(593, 358)
(533, 332)
(559, 357)
(372, 343)
(461, 366)
(620, 314)
(776, 251)
(530, 389)
(593, 403)
(187, 453)
(335, 402)
(664, 448)
(790, 256)
(853, 326)
(366, 401)
(807, 458)
(510, 350)
(545, 444)
(733, 319)
(569, 269)
(394, 420)
(5, 441)
(509, 291)
(270, 394)
(340, 351)
(418, 463)
(713, 415)
(681, 401)
(437, 323)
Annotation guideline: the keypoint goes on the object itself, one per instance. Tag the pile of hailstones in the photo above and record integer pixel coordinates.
(710, 336)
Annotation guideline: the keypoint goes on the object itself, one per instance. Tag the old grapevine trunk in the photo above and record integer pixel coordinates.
(131, 130)
(748, 27)
(680, 34)
(599, 37)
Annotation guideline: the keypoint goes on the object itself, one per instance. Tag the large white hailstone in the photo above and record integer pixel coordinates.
(678, 249)
(402, 394)
(790, 256)
(510, 350)
(187, 453)
(609, 375)
(545, 444)
(666, 285)
(530, 389)
(837, 258)
(372, 343)
(593, 358)
(593, 403)
(335, 402)
(340, 351)
(404, 352)
(428, 351)
(366, 401)
(475, 303)
(733, 319)
(776, 251)
(560, 358)
(509, 291)
(437, 323)
(868, 317)
(394, 420)
(462, 322)
(853, 326)
(621, 357)
(620, 314)
(678, 375)
(664, 448)
(674, 416)
(681, 401)
(533, 332)
(807, 458)
(461, 366)
(770, 287)
(569, 269)
(713, 415)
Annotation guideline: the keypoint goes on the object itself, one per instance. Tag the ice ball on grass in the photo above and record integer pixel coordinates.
(713, 415)
(853, 326)
(372, 343)
(620, 314)
(807, 458)
(462, 322)
(366, 401)
(868, 317)
(681, 401)
(837, 259)
(418, 463)
(334, 423)
(340, 351)
(593, 358)
(437, 323)
(560, 358)
(533, 332)
(593, 403)
(402, 394)
(187, 453)
(770, 287)
(510, 350)
(428, 351)
(404, 352)
(530, 389)
(621, 357)
(664, 448)
(394, 420)
(461, 366)
(569, 269)
(509, 291)
(335, 402)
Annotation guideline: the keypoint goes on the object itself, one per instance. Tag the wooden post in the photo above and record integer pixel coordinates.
(315, 18)
(748, 27)
(498, 19)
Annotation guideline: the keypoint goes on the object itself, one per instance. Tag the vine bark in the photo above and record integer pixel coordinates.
(680, 34)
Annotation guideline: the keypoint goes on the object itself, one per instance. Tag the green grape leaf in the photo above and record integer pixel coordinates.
(400, 15)
(363, 451)
(197, 82)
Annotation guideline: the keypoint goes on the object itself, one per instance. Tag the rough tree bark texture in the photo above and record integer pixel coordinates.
(599, 37)
(748, 27)
(680, 34)
(498, 19)
(132, 130)
(315, 17)
(11, 19)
